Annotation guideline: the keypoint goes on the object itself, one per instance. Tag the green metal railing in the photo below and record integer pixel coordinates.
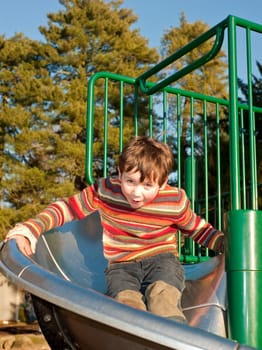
(217, 32)
(216, 149)
(237, 149)
(202, 103)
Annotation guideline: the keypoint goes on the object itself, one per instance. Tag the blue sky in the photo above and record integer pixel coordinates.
(155, 16)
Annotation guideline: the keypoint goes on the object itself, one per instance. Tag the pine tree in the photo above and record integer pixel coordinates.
(92, 36)
(27, 137)
(43, 93)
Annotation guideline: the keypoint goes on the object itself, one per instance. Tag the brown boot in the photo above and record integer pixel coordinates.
(131, 298)
(164, 300)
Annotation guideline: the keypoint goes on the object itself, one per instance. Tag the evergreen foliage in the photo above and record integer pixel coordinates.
(43, 92)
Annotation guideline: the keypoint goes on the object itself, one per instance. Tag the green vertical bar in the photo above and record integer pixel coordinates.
(164, 116)
(179, 177)
(191, 176)
(190, 188)
(192, 134)
(252, 129)
(178, 133)
(136, 111)
(206, 159)
(90, 131)
(206, 165)
(121, 115)
(243, 159)
(150, 106)
(233, 117)
(219, 214)
(105, 128)
(234, 320)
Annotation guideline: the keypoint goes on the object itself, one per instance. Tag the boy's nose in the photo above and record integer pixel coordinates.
(137, 190)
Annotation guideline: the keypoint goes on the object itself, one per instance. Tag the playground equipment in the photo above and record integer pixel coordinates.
(69, 299)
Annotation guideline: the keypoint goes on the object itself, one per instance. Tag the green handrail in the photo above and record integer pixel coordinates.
(217, 31)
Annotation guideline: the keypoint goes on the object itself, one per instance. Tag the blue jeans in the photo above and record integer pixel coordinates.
(138, 275)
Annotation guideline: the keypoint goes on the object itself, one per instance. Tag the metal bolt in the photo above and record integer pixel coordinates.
(47, 318)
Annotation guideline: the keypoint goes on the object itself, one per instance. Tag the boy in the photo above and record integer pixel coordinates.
(140, 214)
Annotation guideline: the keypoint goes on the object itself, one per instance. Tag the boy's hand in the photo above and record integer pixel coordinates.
(220, 245)
(25, 239)
(24, 245)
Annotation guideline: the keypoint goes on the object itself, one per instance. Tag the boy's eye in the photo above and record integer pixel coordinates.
(148, 184)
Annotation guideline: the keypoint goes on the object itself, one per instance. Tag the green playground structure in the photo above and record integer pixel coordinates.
(233, 204)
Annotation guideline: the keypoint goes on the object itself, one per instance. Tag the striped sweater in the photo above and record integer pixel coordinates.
(130, 234)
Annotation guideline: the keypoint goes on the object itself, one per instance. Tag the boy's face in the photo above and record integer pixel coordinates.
(138, 193)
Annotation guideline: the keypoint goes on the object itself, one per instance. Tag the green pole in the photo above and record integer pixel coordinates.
(244, 275)
(191, 190)
(233, 116)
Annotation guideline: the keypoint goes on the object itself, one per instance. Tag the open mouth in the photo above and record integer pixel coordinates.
(135, 203)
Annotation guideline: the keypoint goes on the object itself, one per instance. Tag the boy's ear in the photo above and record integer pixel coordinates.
(164, 184)
(119, 173)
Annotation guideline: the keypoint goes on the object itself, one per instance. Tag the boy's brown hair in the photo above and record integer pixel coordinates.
(154, 159)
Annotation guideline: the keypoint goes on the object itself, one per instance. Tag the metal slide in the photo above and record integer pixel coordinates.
(66, 280)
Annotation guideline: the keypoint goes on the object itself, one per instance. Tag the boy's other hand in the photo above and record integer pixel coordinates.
(24, 245)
